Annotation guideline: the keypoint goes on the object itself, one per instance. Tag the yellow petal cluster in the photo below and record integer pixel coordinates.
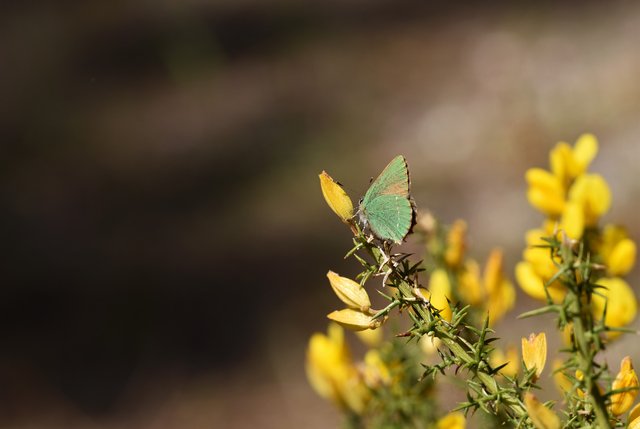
(626, 379)
(541, 416)
(331, 371)
(336, 197)
(567, 193)
(573, 200)
(454, 420)
(534, 352)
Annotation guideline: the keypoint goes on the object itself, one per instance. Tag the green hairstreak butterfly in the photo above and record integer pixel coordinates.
(387, 209)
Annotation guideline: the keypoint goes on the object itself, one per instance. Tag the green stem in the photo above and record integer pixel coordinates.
(581, 324)
(487, 379)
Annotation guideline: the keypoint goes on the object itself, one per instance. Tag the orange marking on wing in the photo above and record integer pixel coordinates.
(396, 189)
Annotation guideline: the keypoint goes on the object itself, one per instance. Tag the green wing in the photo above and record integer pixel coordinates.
(390, 217)
(394, 180)
(386, 206)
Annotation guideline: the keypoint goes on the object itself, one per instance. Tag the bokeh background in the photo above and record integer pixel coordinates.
(165, 240)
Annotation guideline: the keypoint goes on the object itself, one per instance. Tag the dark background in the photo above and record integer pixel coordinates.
(164, 233)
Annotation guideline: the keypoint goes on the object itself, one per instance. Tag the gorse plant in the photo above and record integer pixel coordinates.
(571, 263)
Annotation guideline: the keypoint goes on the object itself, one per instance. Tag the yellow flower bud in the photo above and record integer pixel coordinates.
(439, 291)
(626, 378)
(634, 417)
(545, 192)
(534, 352)
(336, 197)
(541, 416)
(453, 420)
(349, 292)
(456, 243)
(620, 301)
(354, 319)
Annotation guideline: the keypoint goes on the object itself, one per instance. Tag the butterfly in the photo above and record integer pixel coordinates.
(387, 209)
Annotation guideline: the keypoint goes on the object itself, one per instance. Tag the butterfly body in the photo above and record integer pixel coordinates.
(386, 208)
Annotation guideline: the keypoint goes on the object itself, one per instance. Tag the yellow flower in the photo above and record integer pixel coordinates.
(470, 288)
(453, 420)
(533, 284)
(567, 163)
(617, 250)
(375, 372)
(534, 352)
(354, 320)
(456, 243)
(626, 378)
(546, 192)
(620, 301)
(349, 292)
(592, 193)
(438, 293)
(500, 291)
(336, 197)
(511, 358)
(538, 268)
(573, 219)
(331, 372)
(634, 418)
(493, 291)
(541, 416)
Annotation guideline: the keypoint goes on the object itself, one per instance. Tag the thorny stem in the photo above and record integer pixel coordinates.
(434, 324)
(585, 347)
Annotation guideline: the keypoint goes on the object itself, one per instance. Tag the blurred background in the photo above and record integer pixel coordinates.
(165, 239)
